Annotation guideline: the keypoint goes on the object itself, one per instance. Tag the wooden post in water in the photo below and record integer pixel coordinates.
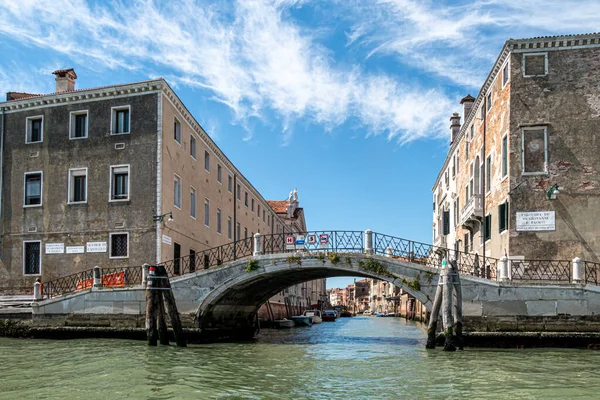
(151, 333)
(447, 278)
(435, 312)
(171, 307)
(163, 332)
(458, 306)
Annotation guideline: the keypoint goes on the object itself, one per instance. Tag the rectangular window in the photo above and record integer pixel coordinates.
(120, 120)
(467, 150)
(239, 231)
(457, 161)
(229, 227)
(229, 183)
(504, 156)
(472, 131)
(119, 245)
(246, 199)
(264, 216)
(192, 202)
(258, 211)
(268, 220)
(239, 192)
(466, 242)
(503, 217)
(446, 222)
(119, 182)
(252, 207)
(77, 185)
(219, 221)
(487, 235)
(177, 191)
(245, 233)
(192, 146)
(206, 161)
(535, 64)
(457, 212)
(177, 130)
(535, 150)
(482, 113)
(33, 189)
(488, 174)
(32, 259)
(176, 258)
(505, 74)
(79, 125)
(35, 129)
(206, 212)
(219, 174)
(488, 101)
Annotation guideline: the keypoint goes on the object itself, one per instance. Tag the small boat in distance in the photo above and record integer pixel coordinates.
(283, 323)
(301, 320)
(315, 314)
(368, 312)
(329, 315)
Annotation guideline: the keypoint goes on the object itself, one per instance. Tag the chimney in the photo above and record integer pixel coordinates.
(467, 103)
(454, 126)
(65, 80)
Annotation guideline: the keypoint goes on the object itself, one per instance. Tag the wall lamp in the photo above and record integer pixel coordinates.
(553, 192)
(161, 218)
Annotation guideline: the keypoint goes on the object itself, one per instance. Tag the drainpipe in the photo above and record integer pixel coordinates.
(234, 215)
(483, 179)
(2, 128)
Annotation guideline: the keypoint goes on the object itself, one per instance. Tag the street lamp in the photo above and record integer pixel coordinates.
(161, 218)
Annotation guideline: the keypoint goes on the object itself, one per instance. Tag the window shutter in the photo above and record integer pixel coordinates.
(501, 217)
(446, 222)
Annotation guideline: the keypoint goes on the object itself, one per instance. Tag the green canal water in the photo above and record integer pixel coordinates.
(352, 358)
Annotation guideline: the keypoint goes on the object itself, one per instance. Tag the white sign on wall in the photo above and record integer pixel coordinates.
(75, 249)
(96, 247)
(536, 221)
(167, 239)
(55, 248)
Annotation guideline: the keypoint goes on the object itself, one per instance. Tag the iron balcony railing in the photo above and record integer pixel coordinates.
(556, 271)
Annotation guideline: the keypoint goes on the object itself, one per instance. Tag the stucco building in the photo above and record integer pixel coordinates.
(522, 175)
(115, 176)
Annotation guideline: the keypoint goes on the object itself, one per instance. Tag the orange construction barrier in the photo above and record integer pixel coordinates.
(116, 279)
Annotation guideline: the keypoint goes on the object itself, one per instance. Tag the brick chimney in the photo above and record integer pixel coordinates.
(454, 126)
(65, 80)
(467, 103)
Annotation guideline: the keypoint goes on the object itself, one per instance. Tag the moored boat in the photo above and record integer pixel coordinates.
(301, 320)
(315, 314)
(283, 323)
(329, 315)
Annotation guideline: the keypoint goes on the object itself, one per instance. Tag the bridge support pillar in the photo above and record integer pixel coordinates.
(504, 269)
(257, 250)
(97, 277)
(37, 291)
(368, 241)
(577, 270)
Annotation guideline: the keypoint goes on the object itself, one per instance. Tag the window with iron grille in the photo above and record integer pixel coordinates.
(120, 118)
(33, 189)
(78, 185)
(35, 129)
(31, 258)
(119, 245)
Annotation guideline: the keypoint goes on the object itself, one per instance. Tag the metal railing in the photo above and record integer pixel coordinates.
(558, 271)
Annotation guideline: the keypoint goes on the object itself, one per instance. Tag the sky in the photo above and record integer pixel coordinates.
(347, 101)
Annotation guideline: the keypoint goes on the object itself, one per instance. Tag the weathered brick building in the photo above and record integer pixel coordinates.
(115, 176)
(522, 176)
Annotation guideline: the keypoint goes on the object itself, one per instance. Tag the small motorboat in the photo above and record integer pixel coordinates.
(368, 312)
(315, 314)
(329, 315)
(302, 320)
(283, 323)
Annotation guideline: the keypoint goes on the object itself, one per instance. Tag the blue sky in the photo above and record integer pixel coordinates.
(348, 101)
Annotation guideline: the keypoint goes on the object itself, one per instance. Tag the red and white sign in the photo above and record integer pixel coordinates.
(323, 238)
(290, 240)
(311, 239)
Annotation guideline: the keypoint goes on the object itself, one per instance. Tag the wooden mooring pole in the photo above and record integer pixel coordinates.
(151, 309)
(172, 308)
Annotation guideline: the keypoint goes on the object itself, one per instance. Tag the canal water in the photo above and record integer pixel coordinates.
(352, 358)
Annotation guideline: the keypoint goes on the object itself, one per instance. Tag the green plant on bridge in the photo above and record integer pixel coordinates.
(321, 256)
(414, 284)
(294, 259)
(429, 276)
(251, 265)
(334, 258)
(374, 266)
(348, 261)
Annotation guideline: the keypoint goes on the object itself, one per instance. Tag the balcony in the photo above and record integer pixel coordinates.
(472, 212)
(440, 241)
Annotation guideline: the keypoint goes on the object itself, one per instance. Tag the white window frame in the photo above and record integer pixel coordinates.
(73, 119)
(112, 168)
(113, 113)
(41, 253)
(28, 122)
(504, 173)
(193, 202)
(534, 128)
(41, 188)
(193, 146)
(525, 55)
(110, 235)
(219, 221)
(73, 172)
(507, 67)
(177, 178)
(206, 212)
(176, 131)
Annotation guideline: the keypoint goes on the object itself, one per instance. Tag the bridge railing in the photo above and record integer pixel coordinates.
(591, 272)
(557, 271)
